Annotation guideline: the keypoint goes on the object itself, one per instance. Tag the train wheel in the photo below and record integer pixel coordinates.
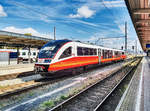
(80, 70)
(74, 71)
(84, 68)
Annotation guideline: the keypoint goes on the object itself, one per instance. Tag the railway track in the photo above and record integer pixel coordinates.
(93, 97)
(15, 75)
(27, 85)
(30, 83)
(45, 85)
(27, 82)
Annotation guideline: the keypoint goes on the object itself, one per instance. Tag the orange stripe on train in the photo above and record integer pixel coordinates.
(73, 62)
(79, 61)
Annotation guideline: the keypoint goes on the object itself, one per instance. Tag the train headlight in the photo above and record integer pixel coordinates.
(47, 61)
(40, 60)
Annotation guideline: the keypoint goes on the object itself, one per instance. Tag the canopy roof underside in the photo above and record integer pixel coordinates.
(140, 14)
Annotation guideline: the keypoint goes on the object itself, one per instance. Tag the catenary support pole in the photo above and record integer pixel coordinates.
(126, 36)
(54, 33)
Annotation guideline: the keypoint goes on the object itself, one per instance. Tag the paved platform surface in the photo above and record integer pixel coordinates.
(146, 85)
(18, 68)
(137, 95)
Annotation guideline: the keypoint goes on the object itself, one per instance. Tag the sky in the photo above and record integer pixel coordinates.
(84, 20)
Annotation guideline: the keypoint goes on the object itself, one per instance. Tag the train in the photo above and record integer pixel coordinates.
(23, 55)
(64, 55)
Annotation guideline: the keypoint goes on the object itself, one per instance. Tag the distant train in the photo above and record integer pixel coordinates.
(23, 54)
(61, 55)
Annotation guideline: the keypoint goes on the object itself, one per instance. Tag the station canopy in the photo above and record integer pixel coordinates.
(140, 14)
(19, 40)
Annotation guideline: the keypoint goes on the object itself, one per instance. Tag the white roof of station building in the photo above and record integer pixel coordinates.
(17, 39)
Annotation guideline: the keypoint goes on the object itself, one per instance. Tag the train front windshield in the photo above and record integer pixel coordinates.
(50, 49)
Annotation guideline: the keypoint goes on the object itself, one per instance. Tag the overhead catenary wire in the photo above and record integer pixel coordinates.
(54, 18)
(111, 12)
(40, 13)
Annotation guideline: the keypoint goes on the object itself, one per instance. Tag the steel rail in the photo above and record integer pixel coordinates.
(99, 105)
(59, 106)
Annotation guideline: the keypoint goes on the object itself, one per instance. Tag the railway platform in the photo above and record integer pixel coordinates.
(12, 71)
(137, 95)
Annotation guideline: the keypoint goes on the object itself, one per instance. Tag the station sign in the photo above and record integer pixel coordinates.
(147, 45)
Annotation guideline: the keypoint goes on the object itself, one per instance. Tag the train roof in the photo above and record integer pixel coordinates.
(59, 41)
(96, 46)
(80, 43)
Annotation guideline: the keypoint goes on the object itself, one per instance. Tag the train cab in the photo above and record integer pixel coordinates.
(51, 53)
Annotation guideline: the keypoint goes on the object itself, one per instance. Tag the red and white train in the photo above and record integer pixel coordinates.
(60, 55)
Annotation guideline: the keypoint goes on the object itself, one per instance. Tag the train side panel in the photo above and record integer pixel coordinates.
(73, 62)
(75, 54)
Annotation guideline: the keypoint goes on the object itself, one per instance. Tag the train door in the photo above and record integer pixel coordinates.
(99, 56)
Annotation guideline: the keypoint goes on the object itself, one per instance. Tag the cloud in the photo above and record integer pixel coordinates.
(121, 26)
(86, 23)
(2, 12)
(47, 13)
(84, 12)
(26, 30)
(113, 4)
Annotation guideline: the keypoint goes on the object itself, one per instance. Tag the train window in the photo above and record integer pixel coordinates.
(86, 51)
(95, 51)
(23, 53)
(79, 51)
(66, 53)
(106, 53)
(34, 53)
(83, 50)
(103, 53)
(50, 49)
(116, 53)
(91, 51)
(110, 54)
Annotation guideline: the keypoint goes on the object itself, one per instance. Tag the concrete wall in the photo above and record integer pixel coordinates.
(5, 60)
(4, 56)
